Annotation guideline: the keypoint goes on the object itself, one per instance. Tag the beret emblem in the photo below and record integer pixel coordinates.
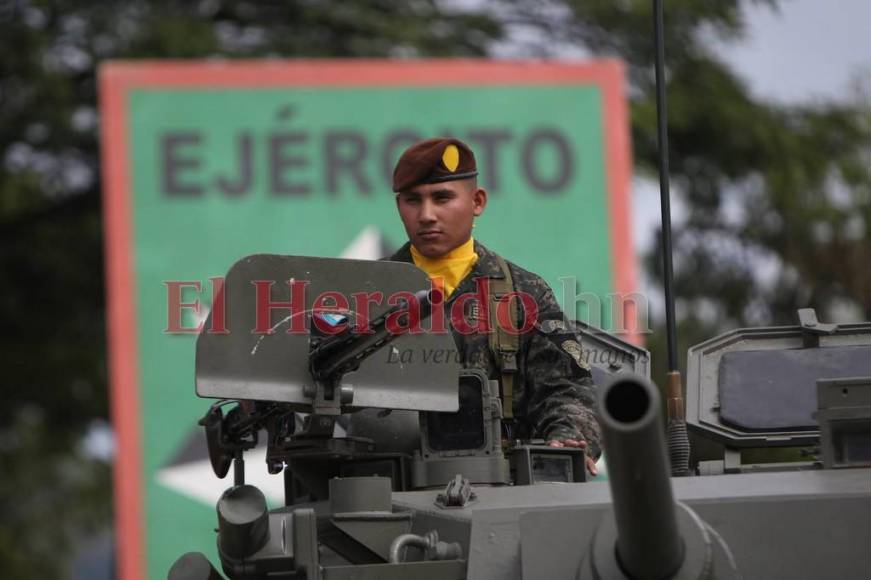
(451, 157)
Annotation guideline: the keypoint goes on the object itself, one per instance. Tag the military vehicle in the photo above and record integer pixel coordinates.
(396, 466)
(467, 505)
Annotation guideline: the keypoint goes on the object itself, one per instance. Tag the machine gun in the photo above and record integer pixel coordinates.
(333, 362)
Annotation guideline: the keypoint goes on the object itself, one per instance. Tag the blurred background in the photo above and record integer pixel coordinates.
(770, 133)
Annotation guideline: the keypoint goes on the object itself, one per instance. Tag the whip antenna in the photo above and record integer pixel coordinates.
(676, 430)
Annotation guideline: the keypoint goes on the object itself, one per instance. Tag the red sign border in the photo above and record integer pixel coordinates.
(118, 78)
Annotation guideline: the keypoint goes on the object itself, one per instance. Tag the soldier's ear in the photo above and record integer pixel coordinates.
(479, 200)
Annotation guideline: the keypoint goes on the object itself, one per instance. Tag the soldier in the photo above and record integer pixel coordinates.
(547, 388)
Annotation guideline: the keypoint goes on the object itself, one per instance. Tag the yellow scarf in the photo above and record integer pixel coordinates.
(446, 272)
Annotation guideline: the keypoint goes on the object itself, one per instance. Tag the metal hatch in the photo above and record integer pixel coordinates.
(756, 387)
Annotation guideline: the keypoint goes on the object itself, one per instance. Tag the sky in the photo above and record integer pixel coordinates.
(807, 50)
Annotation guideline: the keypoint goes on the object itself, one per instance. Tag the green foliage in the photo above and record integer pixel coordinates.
(777, 198)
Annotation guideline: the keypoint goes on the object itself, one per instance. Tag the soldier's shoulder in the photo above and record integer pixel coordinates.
(527, 280)
(519, 274)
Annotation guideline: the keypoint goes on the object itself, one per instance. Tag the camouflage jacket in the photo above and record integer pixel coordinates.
(554, 394)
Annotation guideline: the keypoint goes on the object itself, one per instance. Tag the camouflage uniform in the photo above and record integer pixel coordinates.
(554, 394)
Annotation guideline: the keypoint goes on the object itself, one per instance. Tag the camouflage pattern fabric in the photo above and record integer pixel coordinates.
(554, 393)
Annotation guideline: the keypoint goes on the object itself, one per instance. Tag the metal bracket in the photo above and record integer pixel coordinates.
(812, 329)
(457, 493)
(509, 360)
(731, 460)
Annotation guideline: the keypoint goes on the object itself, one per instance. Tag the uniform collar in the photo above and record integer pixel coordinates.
(487, 264)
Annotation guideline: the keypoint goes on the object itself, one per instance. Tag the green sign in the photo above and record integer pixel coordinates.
(206, 163)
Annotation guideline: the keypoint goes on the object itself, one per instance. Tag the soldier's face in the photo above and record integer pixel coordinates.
(438, 217)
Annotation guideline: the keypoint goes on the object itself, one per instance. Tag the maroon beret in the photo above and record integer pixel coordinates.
(434, 161)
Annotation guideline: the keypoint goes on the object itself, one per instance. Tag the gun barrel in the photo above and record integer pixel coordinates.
(649, 546)
(345, 352)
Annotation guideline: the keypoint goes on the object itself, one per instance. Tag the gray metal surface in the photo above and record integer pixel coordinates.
(359, 494)
(361, 509)
(799, 525)
(454, 570)
(396, 431)
(437, 471)
(704, 555)
(703, 397)
(274, 367)
(608, 354)
(787, 377)
(375, 531)
(844, 417)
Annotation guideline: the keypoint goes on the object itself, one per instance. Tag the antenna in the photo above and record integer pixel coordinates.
(676, 430)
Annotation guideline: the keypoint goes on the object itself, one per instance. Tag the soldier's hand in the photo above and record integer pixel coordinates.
(580, 444)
